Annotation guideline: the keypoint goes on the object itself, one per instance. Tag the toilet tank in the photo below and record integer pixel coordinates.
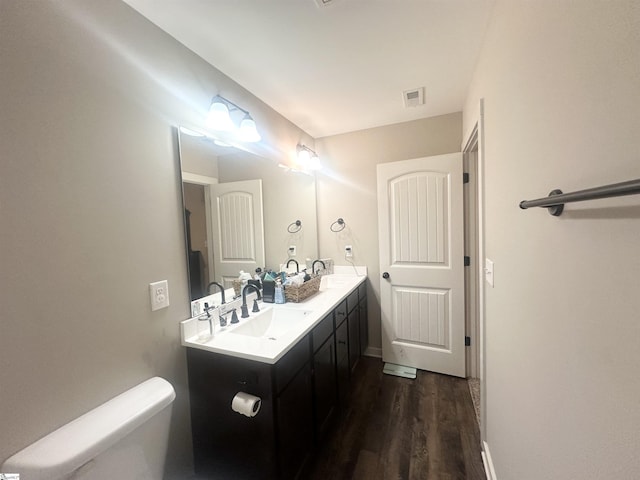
(126, 437)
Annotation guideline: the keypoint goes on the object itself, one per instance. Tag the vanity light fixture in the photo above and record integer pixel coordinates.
(219, 118)
(307, 158)
(338, 225)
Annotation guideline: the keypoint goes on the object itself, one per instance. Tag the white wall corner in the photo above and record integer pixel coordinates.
(488, 462)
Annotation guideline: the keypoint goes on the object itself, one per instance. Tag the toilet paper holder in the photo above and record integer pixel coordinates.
(246, 404)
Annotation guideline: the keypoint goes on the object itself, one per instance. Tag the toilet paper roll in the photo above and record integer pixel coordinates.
(246, 404)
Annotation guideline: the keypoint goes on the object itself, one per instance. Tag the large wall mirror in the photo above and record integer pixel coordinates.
(241, 212)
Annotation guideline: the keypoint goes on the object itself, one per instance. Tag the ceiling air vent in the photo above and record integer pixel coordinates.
(413, 97)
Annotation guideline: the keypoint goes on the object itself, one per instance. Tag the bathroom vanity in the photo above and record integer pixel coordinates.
(301, 370)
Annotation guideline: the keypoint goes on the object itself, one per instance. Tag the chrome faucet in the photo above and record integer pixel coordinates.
(313, 266)
(294, 261)
(221, 290)
(243, 307)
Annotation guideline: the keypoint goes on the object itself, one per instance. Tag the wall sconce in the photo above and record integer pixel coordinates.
(219, 118)
(338, 225)
(307, 158)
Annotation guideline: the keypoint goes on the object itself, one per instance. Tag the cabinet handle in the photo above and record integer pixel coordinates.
(342, 342)
(385, 275)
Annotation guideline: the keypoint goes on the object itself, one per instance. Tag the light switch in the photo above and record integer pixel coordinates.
(488, 271)
(159, 295)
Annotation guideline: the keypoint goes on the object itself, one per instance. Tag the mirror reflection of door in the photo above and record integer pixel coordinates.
(197, 243)
(237, 229)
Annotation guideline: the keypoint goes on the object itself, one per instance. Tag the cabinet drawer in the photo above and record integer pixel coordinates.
(291, 363)
(341, 312)
(342, 341)
(321, 332)
(352, 301)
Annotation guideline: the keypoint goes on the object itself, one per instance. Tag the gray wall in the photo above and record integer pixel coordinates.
(347, 188)
(90, 209)
(560, 80)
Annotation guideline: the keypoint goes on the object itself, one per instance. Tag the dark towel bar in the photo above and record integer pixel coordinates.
(556, 199)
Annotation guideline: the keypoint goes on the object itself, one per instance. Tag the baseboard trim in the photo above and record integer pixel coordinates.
(373, 352)
(488, 462)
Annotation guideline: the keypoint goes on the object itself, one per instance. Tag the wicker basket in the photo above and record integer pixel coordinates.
(237, 287)
(299, 293)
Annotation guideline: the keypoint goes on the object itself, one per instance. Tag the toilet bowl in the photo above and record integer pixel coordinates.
(126, 437)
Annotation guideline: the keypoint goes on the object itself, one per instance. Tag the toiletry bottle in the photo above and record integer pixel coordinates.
(279, 295)
(244, 277)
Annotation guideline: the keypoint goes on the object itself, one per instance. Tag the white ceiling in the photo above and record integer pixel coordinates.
(336, 68)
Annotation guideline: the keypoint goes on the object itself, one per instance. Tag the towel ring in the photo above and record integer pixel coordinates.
(294, 227)
(340, 225)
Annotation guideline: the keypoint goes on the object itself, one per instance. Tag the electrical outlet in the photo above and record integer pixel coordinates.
(292, 250)
(348, 251)
(159, 295)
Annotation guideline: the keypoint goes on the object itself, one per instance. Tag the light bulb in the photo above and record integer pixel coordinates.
(303, 157)
(218, 117)
(314, 162)
(248, 131)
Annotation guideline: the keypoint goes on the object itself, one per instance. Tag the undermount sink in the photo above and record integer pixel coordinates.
(270, 323)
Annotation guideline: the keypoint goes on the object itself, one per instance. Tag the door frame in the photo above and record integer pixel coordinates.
(474, 143)
(206, 182)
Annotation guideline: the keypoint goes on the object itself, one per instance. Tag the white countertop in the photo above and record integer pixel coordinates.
(333, 289)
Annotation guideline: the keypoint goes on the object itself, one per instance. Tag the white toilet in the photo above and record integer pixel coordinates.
(124, 438)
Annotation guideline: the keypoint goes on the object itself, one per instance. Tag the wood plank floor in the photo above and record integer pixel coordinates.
(402, 429)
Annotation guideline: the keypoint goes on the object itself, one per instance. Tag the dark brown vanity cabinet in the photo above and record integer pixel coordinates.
(300, 395)
(225, 443)
(272, 445)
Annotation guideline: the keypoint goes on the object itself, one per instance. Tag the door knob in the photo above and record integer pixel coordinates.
(385, 275)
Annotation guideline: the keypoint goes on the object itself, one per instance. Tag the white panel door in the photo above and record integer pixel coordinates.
(421, 232)
(237, 229)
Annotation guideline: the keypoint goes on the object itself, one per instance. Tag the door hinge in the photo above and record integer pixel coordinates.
(467, 341)
(467, 261)
(465, 177)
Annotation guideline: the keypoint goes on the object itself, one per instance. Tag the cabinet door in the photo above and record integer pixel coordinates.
(291, 363)
(325, 386)
(354, 337)
(295, 424)
(342, 349)
(364, 326)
